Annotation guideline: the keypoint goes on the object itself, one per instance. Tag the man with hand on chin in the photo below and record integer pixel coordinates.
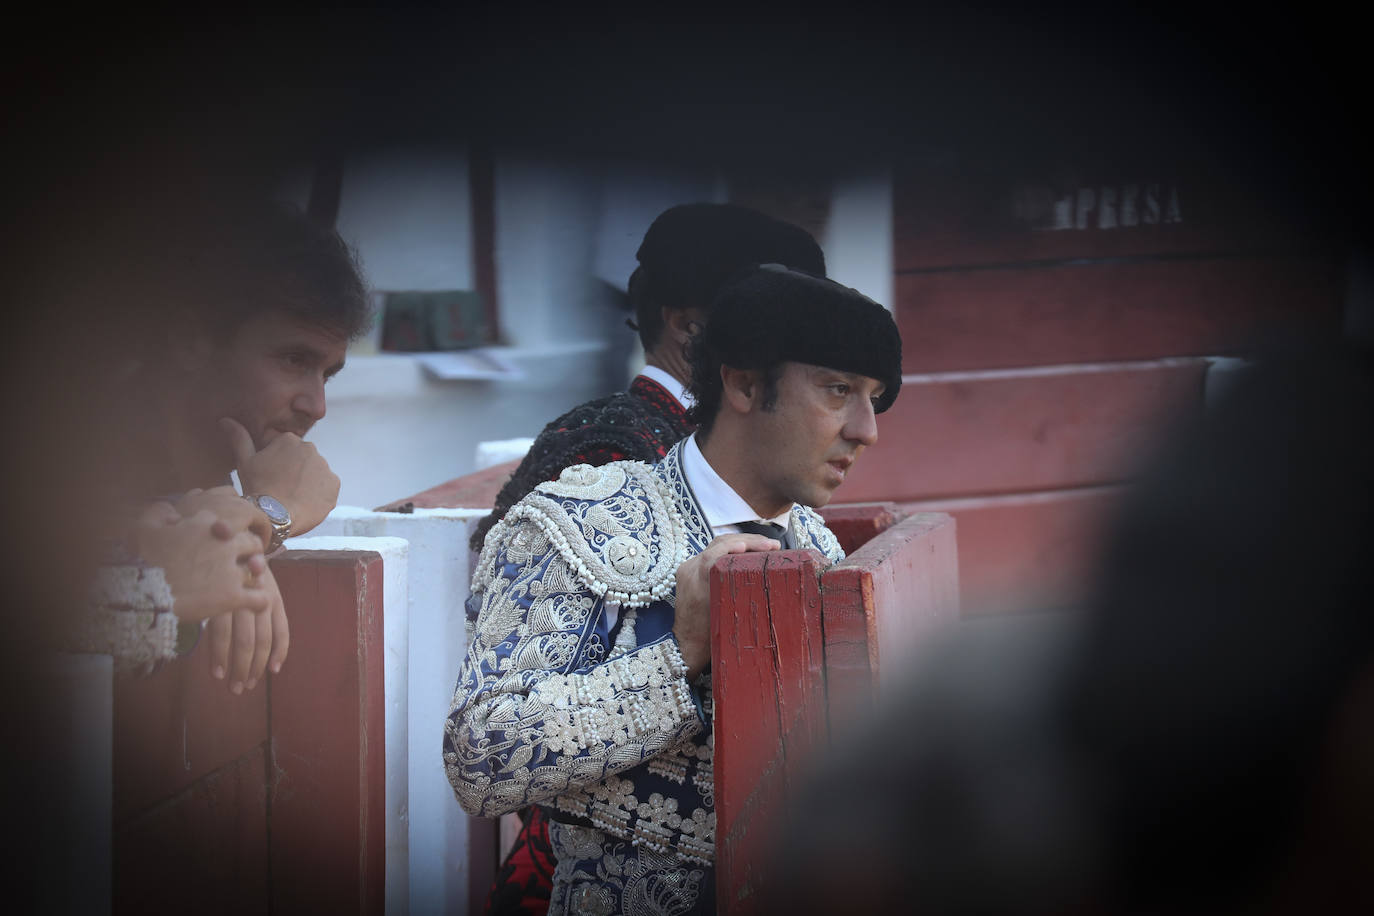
(236, 380)
(586, 687)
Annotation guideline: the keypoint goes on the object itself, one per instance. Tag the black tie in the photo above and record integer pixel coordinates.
(767, 529)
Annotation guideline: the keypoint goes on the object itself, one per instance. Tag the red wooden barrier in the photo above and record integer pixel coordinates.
(797, 646)
(855, 524)
(881, 602)
(770, 714)
(471, 491)
(245, 804)
(328, 830)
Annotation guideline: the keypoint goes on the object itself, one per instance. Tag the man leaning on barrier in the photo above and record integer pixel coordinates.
(585, 688)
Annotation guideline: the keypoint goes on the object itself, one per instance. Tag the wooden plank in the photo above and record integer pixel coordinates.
(770, 720)
(1030, 552)
(984, 319)
(855, 524)
(203, 850)
(960, 214)
(1019, 432)
(471, 491)
(880, 603)
(176, 725)
(328, 738)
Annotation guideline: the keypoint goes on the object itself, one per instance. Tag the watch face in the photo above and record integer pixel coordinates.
(275, 510)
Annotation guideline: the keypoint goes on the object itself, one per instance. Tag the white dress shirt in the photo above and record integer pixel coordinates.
(724, 508)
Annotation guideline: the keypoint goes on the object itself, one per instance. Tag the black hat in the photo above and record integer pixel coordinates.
(773, 314)
(691, 249)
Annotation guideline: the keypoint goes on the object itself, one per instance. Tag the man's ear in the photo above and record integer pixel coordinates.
(682, 324)
(741, 387)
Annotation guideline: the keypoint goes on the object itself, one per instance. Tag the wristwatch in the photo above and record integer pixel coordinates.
(276, 514)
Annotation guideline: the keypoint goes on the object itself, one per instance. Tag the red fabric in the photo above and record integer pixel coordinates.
(525, 878)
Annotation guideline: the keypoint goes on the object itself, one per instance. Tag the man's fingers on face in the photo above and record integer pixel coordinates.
(284, 441)
(240, 442)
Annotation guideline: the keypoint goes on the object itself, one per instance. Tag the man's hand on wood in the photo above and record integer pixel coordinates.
(212, 567)
(235, 513)
(692, 623)
(244, 642)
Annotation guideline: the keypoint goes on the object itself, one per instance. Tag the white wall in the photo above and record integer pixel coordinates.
(434, 874)
(858, 234)
(392, 430)
(407, 214)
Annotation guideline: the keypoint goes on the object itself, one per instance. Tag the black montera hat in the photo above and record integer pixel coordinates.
(691, 249)
(773, 314)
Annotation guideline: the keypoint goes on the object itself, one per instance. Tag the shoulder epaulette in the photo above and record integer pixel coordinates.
(614, 525)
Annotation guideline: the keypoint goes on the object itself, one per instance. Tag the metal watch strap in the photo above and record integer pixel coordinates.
(281, 530)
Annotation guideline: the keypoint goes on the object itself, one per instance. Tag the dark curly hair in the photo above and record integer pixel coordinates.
(236, 259)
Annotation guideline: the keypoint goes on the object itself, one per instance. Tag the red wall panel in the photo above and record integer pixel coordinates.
(176, 726)
(953, 436)
(956, 214)
(202, 850)
(990, 319)
(1027, 552)
(329, 739)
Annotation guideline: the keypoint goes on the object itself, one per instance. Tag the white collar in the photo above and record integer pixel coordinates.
(722, 505)
(670, 385)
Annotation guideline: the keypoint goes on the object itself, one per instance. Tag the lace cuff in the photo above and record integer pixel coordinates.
(130, 617)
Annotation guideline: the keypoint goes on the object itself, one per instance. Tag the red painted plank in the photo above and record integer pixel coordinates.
(1022, 432)
(855, 524)
(176, 725)
(769, 708)
(880, 603)
(203, 850)
(328, 738)
(791, 653)
(1028, 552)
(988, 319)
(471, 491)
(957, 215)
